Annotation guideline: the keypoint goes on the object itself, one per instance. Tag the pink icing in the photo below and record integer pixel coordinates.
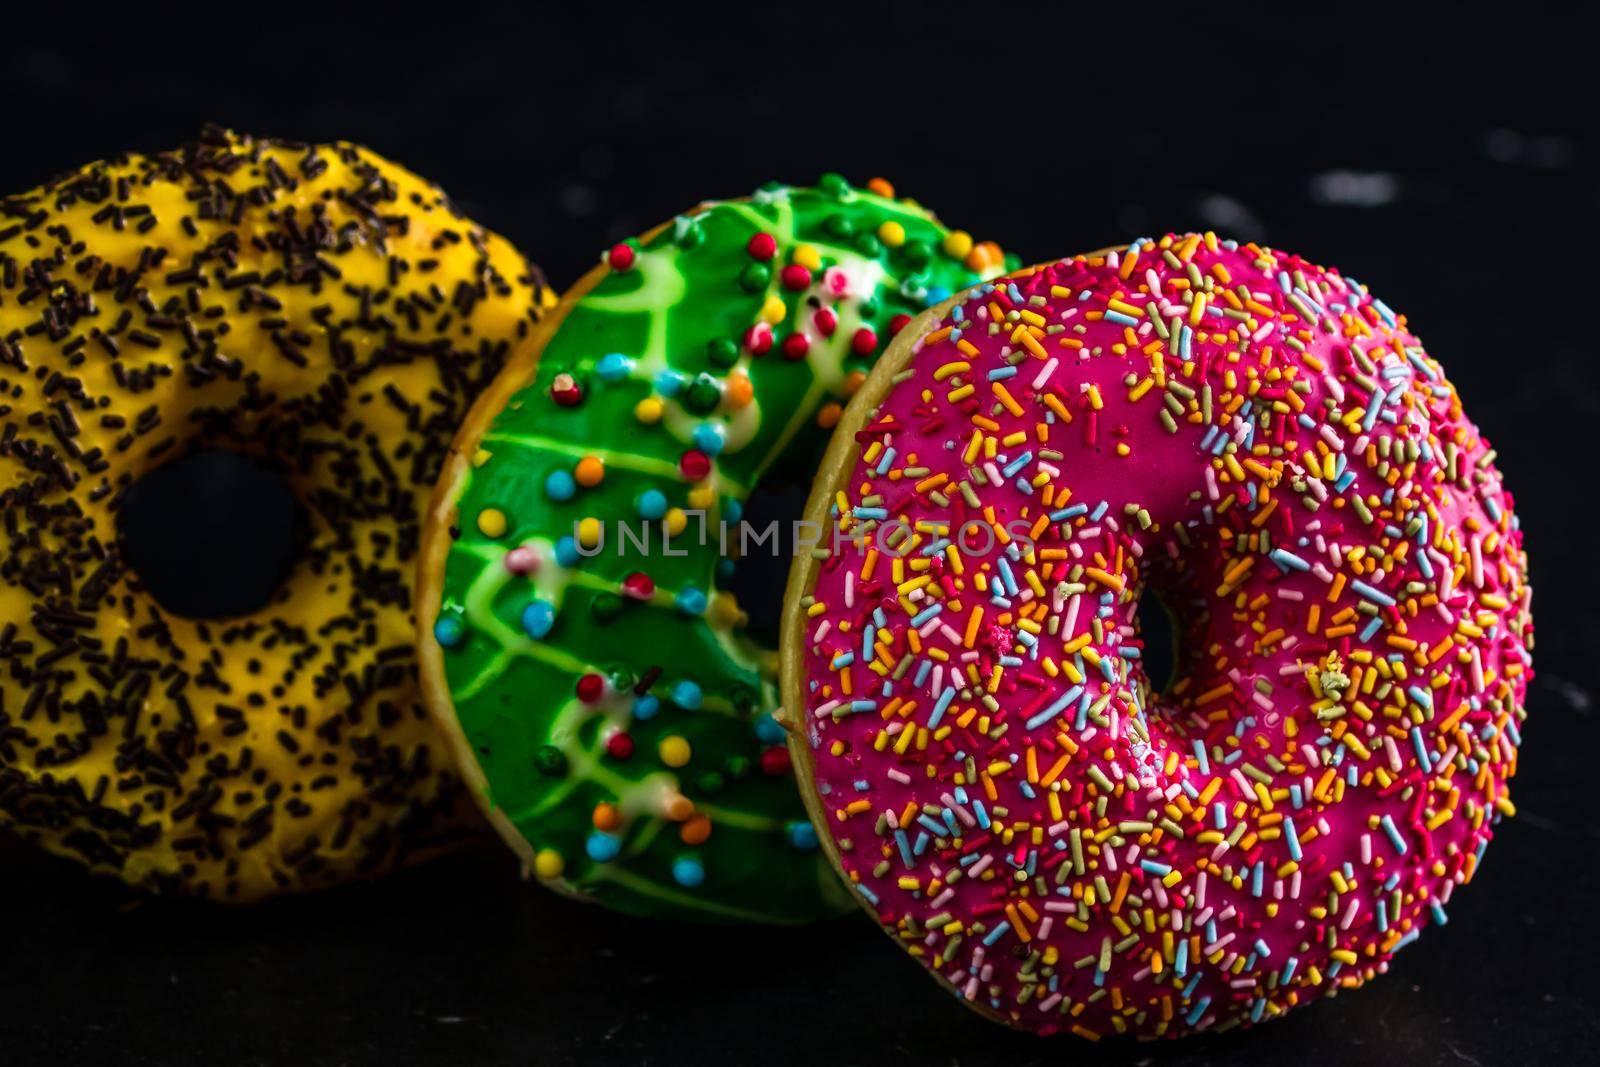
(1246, 825)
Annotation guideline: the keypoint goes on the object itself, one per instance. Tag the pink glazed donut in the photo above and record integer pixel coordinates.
(1267, 449)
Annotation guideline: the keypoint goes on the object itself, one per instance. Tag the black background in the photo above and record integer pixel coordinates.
(1449, 162)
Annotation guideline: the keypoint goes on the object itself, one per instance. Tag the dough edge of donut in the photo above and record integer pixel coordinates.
(838, 464)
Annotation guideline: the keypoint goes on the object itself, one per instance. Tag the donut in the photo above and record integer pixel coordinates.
(578, 641)
(328, 315)
(1263, 447)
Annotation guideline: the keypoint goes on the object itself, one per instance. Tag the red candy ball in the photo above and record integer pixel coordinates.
(826, 321)
(694, 464)
(591, 687)
(898, 323)
(795, 346)
(864, 343)
(758, 339)
(794, 276)
(619, 745)
(762, 246)
(621, 256)
(639, 585)
(775, 760)
(566, 391)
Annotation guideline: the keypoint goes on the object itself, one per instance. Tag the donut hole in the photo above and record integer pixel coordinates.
(759, 578)
(1159, 632)
(210, 536)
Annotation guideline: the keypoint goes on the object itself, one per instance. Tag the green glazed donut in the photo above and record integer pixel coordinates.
(577, 643)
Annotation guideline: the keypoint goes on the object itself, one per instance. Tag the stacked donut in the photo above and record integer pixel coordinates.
(1013, 461)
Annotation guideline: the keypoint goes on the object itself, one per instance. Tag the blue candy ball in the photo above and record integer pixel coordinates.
(449, 631)
(646, 707)
(708, 438)
(613, 366)
(687, 695)
(652, 504)
(538, 617)
(803, 836)
(688, 871)
(691, 601)
(560, 486)
(602, 847)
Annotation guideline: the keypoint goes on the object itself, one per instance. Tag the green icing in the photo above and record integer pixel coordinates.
(676, 321)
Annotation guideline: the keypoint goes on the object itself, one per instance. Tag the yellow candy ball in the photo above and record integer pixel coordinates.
(958, 243)
(547, 863)
(648, 410)
(480, 457)
(590, 472)
(774, 309)
(892, 234)
(676, 521)
(725, 610)
(492, 522)
(674, 751)
(808, 257)
(590, 531)
(702, 497)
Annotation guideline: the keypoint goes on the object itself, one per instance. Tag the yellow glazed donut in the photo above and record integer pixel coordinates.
(327, 314)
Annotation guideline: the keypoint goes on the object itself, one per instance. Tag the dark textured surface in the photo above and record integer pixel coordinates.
(1476, 178)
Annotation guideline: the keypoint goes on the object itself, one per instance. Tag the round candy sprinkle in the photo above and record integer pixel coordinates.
(795, 277)
(547, 863)
(566, 391)
(802, 835)
(602, 847)
(688, 872)
(613, 367)
(723, 352)
(795, 346)
(694, 464)
(674, 751)
(619, 745)
(755, 277)
(537, 618)
(621, 257)
(590, 472)
(761, 246)
(648, 411)
(686, 694)
(775, 760)
(550, 761)
(690, 601)
(590, 688)
(652, 504)
(522, 561)
(559, 485)
(492, 522)
(449, 631)
(758, 338)
(708, 438)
